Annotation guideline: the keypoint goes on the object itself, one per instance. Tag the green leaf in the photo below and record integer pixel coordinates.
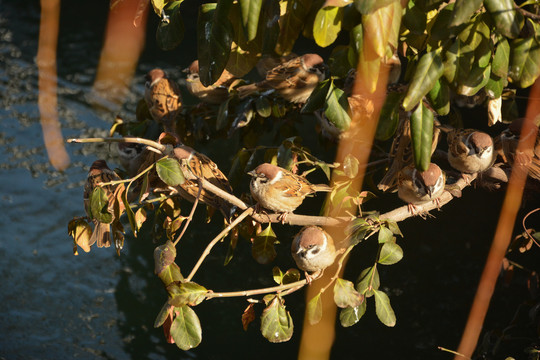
(414, 18)
(251, 9)
(428, 70)
(440, 28)
(339, 61)
(439, 97)
(163, 314)
(277, 275)
(169, 34)
(263, 106)
(350, 166)
(345, 295)
(99, 206)
(368, 281)
(337, 108)
(292, 275)
(317, 98)
(524, 61)
(385, 235)
(214, 39)
(495, 86)
(269, 25)
(187, 293)
(507, 19)
(290, 24)
(501, 59)
(171, 274)
(81, 232)
(464, 10)
(130, 213)
(262, 249)
(238, 166)
(422, 136)
(350, 316)
(358, 229)
(384, 311)
(477, 79)
(390, 254)
(164, 256)
(389, 117)
(394, 228)
(223, 115)
(169, 171)
(327, 25)
(314, 309)
(186, 328)
(276, 322)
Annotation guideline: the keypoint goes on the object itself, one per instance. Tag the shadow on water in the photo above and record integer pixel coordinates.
(56, 305)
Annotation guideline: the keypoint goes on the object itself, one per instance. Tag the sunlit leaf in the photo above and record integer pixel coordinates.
(164, 313)
(350, 166)
(327, 25)
(314, 309)
(277, 275)
(501, 59)
(389, 117)
(170, 274)
(262, 249)
(383, 309)
(476, 80)
(524, 61)
(169, 34)
(290, 24)
(214, 39)
(385, 235)
(507, 19)
(337, 108)
(129, 212)
(350, 316)
(369, 6)
(368, 281)
(169, 171)
(269, 25)
(99, 205)
(428, 70)
(440, 28)
(439, 97)
(164, 255)
(81, 232)
(463, 10)
(263, 106)
(495, 86)
(358, 229)
(345, 294)
(393, 227)
(186, 328)
(276, 322)
(378, 27)
(290, 276)
(187, 293)
(422, 136)
(390, 254)
(251, 9)
(158, 6)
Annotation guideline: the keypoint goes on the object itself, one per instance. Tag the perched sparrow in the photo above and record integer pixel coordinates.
(415, 187)
(293, 80)
(213, 94)
(401, 154)
(313, 251)
(530, 158)
(100, 173)
(268, 62)
(279, 190)
(470, 151)
(163, 99)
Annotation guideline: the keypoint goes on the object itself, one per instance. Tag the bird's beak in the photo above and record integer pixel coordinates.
(430, 190)
(252, 173)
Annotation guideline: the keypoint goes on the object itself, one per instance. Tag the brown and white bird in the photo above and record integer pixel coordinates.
(417, 187)
(313, 250)
(163, 99)
(294, 80)
(279, 190)
(470, 151)
(268, 62)
(100, 173)
(212, 94)
(530, 158)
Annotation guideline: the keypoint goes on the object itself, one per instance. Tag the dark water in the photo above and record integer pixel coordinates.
(54, 305)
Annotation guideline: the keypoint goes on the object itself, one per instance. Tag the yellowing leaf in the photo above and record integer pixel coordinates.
(314, 309)
(276, 322)
(263, 250)
(327, 25)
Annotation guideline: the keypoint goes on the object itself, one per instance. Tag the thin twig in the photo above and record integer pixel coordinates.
(137, 140)
(195, 203)
(220, 236)
(340, 265)
(279, 288)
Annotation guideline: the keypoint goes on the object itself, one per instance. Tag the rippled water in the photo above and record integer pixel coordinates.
(55, 305)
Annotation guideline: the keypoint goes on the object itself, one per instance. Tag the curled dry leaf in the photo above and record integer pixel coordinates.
(248, 316)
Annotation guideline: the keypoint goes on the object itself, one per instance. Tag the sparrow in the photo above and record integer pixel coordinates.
(100, 173)
(212, 94)
(530, 158)
(416, 187)
(470, 151)
(401, 153)
(279, 190)
(163, 99)
(313, 250)
(268, 62)
(196, 165)
(294, 80)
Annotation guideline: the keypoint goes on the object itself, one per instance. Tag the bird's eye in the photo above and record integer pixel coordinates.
(418, 184)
